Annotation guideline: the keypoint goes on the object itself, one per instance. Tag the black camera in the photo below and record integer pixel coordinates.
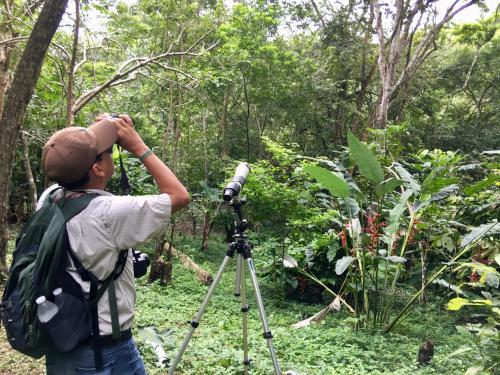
(141, 263)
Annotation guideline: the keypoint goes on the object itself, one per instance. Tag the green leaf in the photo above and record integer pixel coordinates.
(457, 303)
(441, 194)
(475, 370)
(342, 264)
(310, 255)
(491, 279)
(461, 350)
(368, 164)
(347, 177)
(477, 266)
(387, 186)
(396, 259)
(289, 262)
(335, 185)
(469, 167)
(480, 231)
(447, 285)
(353, 207)
(492, 152)
(444, 193)
(481, 185)
(396, 212)
(406, 176)
(433, 182)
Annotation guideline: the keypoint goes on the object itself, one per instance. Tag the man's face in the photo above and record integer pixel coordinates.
(107, 163)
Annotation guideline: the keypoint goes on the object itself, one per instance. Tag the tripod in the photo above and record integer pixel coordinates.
(242, 247)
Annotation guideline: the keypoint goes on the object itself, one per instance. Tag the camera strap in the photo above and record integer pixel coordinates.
(124, 182)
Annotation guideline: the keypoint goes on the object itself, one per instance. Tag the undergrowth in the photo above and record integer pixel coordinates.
(332, 347)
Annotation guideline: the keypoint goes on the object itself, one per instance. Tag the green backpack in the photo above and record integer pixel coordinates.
(38, 267)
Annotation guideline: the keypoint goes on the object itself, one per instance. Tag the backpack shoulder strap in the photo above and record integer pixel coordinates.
(51, 247)
(73, 206)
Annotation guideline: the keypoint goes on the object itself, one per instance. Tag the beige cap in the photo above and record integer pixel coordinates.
(70, 152)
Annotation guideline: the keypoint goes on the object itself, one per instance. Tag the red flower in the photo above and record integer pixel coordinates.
(474, 277)
(343, 238)
(373, 228)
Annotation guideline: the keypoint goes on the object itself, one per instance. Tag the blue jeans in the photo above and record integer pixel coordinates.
(121, 358)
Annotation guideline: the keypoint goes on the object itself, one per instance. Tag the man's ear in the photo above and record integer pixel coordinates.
(97, 169)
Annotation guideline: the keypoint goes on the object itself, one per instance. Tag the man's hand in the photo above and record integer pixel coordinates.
(128, 138)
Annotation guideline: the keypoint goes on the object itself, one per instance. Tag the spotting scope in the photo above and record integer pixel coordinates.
(239, 179)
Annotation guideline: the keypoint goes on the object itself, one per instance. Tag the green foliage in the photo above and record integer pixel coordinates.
(265, 96)
(336, 185)
(367, 162)
(446, 113)
(332, 345)
(482, 300)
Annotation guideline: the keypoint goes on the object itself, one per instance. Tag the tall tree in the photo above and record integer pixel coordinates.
(398, 57)
(17, 97)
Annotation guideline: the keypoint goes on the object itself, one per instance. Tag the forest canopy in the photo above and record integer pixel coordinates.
(371, 129)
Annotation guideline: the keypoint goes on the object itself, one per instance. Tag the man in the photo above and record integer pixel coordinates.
(80, 160)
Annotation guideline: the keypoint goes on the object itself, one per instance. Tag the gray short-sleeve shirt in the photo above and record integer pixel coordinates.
(108, 225)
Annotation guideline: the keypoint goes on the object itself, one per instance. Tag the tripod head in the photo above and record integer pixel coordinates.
(240, 224)
(240, 242)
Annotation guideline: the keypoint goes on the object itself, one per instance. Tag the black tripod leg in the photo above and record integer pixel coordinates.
(267, 332)
(196, 320)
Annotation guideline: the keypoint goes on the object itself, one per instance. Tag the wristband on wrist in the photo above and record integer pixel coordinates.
(145, 155)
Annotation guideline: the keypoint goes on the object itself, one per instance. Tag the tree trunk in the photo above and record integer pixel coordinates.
(193, 218)
(29, 175)
(167, 276)
(6, 32)
(396, 72)
(167, 135)
(70, 114)
(247, 113)
(158, 265)
(17, 98)
(187, 262)
(223, 125)
(205, 231)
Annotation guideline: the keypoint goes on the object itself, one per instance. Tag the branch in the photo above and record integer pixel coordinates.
(166, 67)
(121, 82)
(201, 38)
(78, 65)
(381, 41)
(421, 51)
(142, 61)
(14, 40)
(318, 13)
(33, 136)
(12, 17)
(177, 40)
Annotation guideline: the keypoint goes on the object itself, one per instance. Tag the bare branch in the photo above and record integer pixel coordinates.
(85, 59)
(123, 71)
(318, 13)
(402, 37)
(166, 67)
(177, 40)
(200, 39)
(122, 81)
(14, 40)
